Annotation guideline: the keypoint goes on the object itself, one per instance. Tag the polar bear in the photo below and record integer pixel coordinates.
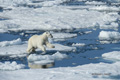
(38, 41)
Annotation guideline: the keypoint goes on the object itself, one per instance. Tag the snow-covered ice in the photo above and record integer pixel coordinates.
(63, 48)
(114, 55)
(56, 56)
(27, 17)
(105, 8)
(9, 43)
(37, 61)
(11, 66)
(78, 44)
(62, 36)
(109, 36)
(56, 18)
(99, 71)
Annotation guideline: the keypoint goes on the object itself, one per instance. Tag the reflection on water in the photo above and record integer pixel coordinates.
(34, 65)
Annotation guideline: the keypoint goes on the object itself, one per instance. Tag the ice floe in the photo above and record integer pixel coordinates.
(99, 71)
(9, 43)
(11, 66)
(62, 36)
(105, 8)
(114, 55)
(62, 48)
(56, 56)
(56, 18)
(109, 36)
(78, 44)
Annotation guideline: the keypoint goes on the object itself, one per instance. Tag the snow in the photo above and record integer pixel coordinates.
(99, 71)
(109, 36)
(63, 48)
(13, 50)
(44, 3)
(113, 1)
(114, 55)
(17, 16)
(56, 18)
(56, 56)
(9, 43)
(6, 3)
(10, 66)
(78, 44)
(105, 8)
(62, 36)
(95, 2)
(54, 2)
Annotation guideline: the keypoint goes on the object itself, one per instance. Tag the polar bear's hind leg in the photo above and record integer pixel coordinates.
(29, 50)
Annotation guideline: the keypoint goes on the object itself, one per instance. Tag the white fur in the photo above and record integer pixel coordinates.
(38, 41)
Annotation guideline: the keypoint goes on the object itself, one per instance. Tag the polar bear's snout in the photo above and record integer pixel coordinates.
(51, 36)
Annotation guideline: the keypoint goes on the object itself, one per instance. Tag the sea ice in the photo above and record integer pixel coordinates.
(10, 66)
(62, 36)
(9, 43)
(99, 71)
(109, 36)
(78, 44)
(105, 8)
(114, 55)
(56, 18)
(56, 56)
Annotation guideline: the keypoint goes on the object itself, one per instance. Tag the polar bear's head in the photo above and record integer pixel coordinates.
(48, 34)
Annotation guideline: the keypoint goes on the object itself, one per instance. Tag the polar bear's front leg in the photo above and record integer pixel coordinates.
(49, 45)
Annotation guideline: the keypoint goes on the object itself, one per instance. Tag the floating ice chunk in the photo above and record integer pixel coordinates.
(9, 43)
(56, 56)
(109, 35)
(78, 44)
(113, 1)
(62, 36)
(11, 66)
(13, 50)
(95, 3)
(49, 3)
(7, 3)
(105, 8)
(114, 55)
(59, 56)
(59, 47)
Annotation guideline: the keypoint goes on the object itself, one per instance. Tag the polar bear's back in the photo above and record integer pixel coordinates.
(34, 40)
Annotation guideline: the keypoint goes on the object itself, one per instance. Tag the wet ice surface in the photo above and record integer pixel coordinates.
(79, 52)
